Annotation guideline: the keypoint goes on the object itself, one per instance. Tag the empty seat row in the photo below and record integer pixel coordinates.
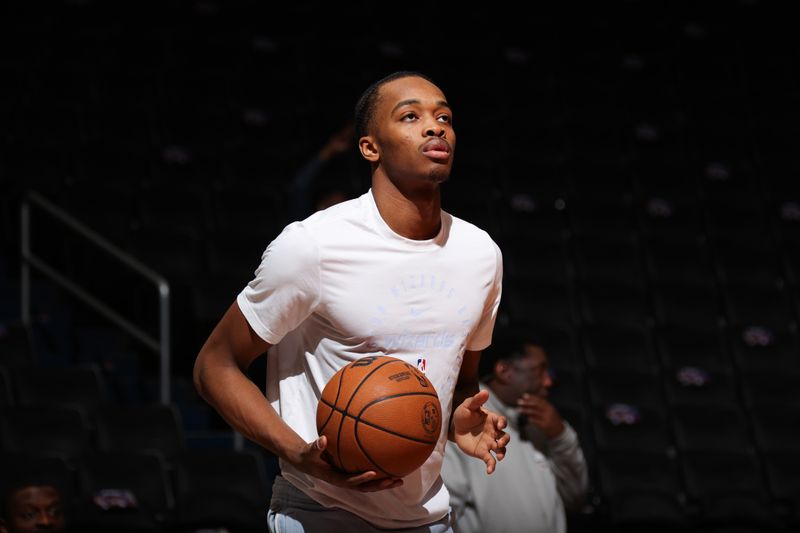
(137, 493)
(656, 491)
(612, 344)
(71, 432)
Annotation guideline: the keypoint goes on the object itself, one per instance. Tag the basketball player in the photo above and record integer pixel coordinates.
(386, 273)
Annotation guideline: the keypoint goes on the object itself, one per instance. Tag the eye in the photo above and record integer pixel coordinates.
(408, 117)
(444, 118)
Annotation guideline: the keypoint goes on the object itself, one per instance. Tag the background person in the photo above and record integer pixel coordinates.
(545, 470)
(32, 506)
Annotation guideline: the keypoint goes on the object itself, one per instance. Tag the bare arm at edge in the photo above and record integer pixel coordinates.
(220, 379)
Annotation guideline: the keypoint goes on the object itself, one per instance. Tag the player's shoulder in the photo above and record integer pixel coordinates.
(331, 220)
(305, 242)
(468, 232)
(320, 226)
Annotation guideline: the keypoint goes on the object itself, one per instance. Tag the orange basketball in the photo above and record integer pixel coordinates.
(379, 413)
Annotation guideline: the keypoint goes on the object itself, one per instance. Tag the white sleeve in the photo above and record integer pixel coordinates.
(286, 287)
(569, 467)
(481, 338)
(459, 478)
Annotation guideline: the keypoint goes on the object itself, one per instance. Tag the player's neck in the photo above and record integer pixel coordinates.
(412, 214)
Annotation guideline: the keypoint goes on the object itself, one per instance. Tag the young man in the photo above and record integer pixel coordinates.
(32, 507)
(548, 470)
(387, 273)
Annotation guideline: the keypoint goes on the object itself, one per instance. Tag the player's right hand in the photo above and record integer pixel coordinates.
(312, 461)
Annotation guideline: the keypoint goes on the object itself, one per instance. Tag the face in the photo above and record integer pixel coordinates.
(34, 509)
(411, 136)
(529, 373)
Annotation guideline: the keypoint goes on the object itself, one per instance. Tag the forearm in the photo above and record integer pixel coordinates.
(569, 467)
(464, 389)
(242, 405)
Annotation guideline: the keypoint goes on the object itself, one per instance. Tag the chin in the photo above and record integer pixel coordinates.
(439, 175)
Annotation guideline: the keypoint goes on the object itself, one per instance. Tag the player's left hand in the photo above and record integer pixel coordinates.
(479, 431)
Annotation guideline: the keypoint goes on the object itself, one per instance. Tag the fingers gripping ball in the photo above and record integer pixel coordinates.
(379, 413)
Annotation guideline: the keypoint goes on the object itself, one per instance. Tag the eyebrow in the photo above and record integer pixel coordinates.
(410, 101)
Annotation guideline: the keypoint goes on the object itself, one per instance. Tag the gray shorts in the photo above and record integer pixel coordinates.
(291, 511)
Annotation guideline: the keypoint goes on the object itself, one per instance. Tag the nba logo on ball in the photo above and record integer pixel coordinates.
(431, 418)
(421, 364)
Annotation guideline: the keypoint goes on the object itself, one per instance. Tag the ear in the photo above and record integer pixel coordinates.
(368, 148)
(501, 370)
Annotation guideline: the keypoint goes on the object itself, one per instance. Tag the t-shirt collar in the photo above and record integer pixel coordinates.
(383, 228)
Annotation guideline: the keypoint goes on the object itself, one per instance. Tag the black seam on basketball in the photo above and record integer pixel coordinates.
(382, 398)
(389, 431)
(363, 379)
(324, 424)
(339, 431)
(378, 400)
(322, 427)
(333, 407)
(369, 457)
(357, 417)
(353, 395)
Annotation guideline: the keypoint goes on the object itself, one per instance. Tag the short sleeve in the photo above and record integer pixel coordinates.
(286, 288)
(481, 338)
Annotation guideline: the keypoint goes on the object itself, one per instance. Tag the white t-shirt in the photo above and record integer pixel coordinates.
(341, 285)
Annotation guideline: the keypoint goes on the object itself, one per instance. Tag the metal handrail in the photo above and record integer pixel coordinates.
(28, 259)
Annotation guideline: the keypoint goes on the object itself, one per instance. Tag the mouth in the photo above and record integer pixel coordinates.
(437, 149)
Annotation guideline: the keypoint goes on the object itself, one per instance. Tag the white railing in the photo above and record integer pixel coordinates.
(160, 345)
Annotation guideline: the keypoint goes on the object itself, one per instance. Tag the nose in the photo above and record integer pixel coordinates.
(434, 130)
(547, 381)
(45, 521)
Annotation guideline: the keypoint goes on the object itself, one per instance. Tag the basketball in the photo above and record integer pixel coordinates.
(379, 413)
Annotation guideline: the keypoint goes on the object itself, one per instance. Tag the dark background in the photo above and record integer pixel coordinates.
(636, 161)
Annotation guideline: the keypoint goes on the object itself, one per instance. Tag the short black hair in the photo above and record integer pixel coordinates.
(508, 345)
(24, 471)
(367, 102)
